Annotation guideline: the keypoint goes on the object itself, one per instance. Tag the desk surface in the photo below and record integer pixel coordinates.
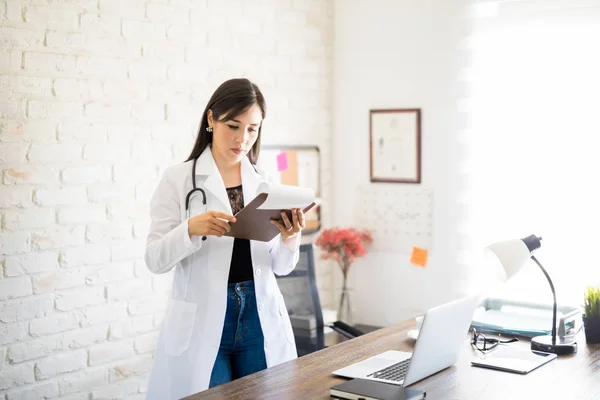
(309, 377)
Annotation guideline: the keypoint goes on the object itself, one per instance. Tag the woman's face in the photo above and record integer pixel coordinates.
(233, 139)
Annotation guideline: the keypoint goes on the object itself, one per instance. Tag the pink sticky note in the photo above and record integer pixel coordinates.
(282, 163)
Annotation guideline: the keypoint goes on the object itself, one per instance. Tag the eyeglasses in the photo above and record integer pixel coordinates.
(484, 344)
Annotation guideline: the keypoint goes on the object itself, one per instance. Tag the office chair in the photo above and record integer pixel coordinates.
(346, 330)
(301, 295)
(299, 289)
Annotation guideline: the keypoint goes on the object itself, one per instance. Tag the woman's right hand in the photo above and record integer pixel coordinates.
(210, 223)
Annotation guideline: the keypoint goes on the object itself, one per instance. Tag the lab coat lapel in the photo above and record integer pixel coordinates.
(207, 168)
(250, 180)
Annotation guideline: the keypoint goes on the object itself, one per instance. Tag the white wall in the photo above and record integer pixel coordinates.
(97, 97)
(399, 54)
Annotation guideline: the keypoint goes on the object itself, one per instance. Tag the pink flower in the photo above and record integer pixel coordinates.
(343, 245)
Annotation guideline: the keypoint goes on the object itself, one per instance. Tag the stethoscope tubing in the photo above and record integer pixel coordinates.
(194, 190)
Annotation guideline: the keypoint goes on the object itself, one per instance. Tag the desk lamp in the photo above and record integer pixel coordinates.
(513, 254)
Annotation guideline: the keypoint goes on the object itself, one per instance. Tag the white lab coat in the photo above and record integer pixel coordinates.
(191, 331)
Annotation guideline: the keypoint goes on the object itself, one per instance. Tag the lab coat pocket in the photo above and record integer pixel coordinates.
(286, 320)
(179, 326)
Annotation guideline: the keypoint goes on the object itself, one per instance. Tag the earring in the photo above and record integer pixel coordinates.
(209, 129)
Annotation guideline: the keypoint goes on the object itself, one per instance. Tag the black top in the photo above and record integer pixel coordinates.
(240, 269)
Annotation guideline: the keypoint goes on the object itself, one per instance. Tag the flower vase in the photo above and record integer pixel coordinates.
(345, 313)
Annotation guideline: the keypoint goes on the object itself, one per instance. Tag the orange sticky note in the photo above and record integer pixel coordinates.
(419, 256)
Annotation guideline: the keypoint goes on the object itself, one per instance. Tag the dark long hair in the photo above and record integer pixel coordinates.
(231, 99)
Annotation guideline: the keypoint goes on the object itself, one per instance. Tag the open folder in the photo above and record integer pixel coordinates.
(253, 221)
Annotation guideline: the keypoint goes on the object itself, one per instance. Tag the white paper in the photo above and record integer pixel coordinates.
(268, 161)
(399, 217)
(307, 169)
(285, 197)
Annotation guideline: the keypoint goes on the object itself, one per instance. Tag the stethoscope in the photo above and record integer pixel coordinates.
(194, 189)
(197, 189)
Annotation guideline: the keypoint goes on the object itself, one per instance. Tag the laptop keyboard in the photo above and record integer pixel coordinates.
(395, 372)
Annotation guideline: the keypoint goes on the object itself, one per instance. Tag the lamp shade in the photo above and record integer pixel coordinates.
(513, 254)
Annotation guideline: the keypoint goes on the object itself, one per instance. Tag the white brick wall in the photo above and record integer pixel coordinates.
(96, 98)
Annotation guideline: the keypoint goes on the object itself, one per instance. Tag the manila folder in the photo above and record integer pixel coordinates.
(254, 220)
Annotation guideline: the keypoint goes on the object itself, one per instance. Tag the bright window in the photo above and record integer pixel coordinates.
(533, 143)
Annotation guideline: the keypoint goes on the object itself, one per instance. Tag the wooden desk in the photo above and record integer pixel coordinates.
(568, 377)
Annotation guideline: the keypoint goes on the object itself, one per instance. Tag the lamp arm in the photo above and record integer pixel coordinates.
(553, 295)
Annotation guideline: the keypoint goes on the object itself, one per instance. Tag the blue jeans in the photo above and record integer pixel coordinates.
(242, 349)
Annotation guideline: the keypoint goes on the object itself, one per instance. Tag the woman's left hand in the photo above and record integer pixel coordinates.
(290, 229)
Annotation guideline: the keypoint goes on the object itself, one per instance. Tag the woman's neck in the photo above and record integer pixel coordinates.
(231, 173)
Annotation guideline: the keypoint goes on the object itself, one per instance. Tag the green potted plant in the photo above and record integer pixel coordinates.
(591, 317)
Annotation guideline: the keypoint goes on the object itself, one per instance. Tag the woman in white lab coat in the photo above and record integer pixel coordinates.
(226, 317)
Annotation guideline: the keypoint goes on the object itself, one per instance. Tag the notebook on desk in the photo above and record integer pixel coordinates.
(513, 359)
(370, 390)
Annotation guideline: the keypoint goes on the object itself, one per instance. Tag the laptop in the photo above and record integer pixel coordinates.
(438, 346)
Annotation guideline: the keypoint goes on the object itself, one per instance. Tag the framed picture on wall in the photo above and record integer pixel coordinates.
(395, 145)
